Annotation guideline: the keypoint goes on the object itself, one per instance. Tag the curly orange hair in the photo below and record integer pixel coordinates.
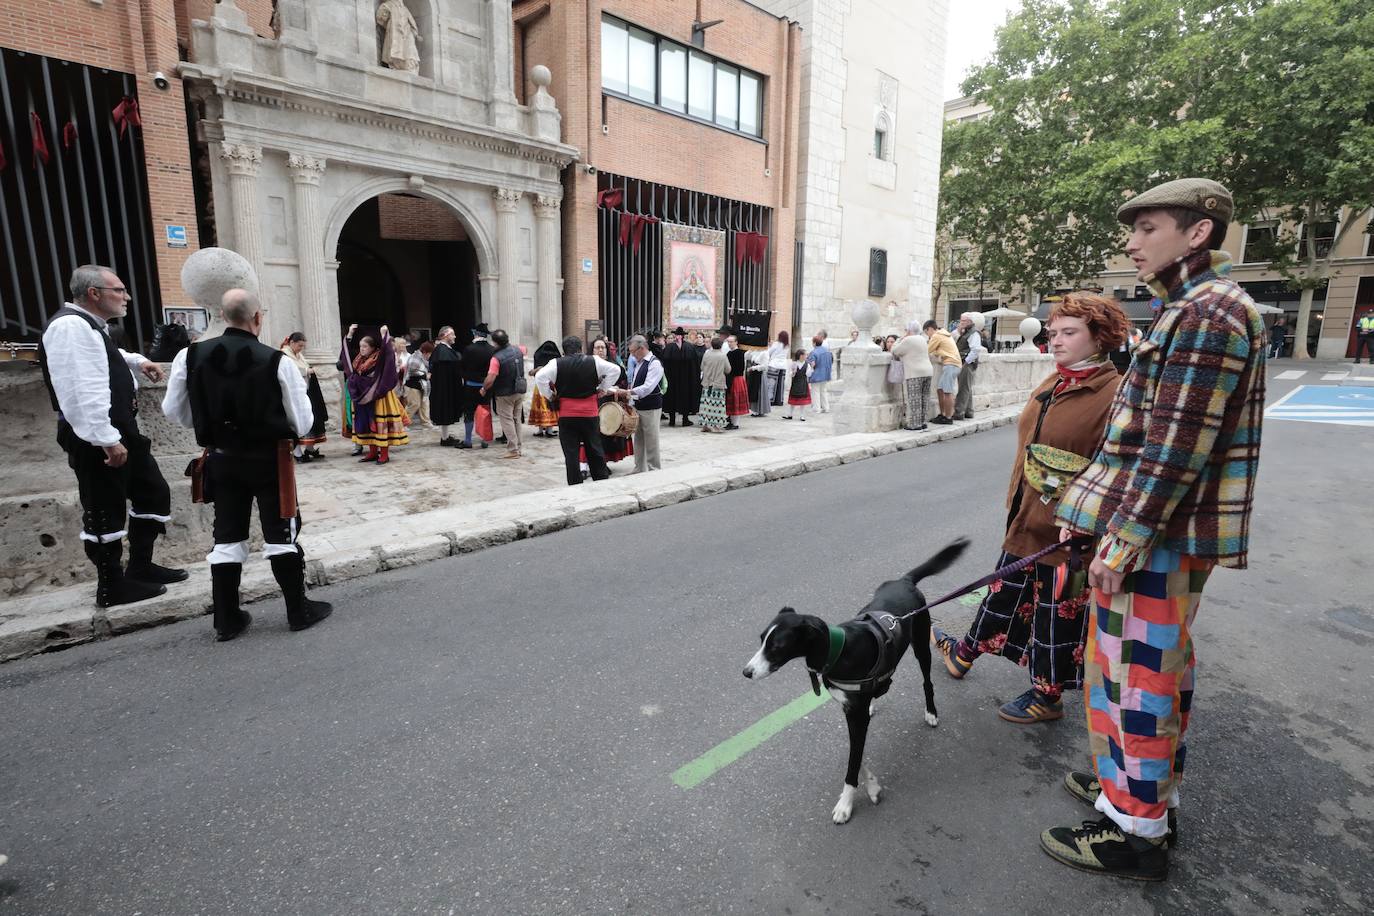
(1105, 320)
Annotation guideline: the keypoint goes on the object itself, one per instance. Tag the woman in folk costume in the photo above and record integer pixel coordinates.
(799, 389)
(307, 446)
(445, 385)
(1038, 618)
(736, 390)
(714, 366)
(379, 420)
(542, 415)
(616, 448)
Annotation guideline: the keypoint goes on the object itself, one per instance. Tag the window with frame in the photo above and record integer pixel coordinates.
(1259, 241)
(960, 262)
(879, 143)
(877, 272)
(640, 65)
(1323, 235)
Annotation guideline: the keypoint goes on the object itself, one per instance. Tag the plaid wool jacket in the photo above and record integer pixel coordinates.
(1177, 467)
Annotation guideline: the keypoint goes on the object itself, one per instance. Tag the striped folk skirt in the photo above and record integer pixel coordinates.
(713, 407)
(381, 423)
(1139, 683)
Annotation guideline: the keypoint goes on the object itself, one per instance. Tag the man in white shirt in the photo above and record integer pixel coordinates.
(93, 386)
(646, 390)
(247, 405)
(576, 382)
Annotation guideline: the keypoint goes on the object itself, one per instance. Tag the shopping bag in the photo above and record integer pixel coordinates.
(483, 423)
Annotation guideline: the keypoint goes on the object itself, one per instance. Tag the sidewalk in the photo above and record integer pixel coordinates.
(432, 502)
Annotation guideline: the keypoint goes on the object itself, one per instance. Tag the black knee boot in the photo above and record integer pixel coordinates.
(142, 533)
(230, 619)
(301, 612)
(112, 588)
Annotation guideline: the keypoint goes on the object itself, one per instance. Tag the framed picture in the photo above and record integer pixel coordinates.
(693, 277)
(193, 318)
(421, 334)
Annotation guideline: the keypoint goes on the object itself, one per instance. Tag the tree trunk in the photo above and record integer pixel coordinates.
(1300, 331)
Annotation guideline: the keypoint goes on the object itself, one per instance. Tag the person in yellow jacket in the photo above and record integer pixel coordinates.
(945, 352)
(1364, 329)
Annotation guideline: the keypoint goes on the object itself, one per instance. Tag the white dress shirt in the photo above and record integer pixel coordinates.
(607, 373)
(80, 376)
(975, 347)
(653, 376)
(177, 402)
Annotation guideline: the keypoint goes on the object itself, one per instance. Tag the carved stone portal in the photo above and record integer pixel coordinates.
(400, 46)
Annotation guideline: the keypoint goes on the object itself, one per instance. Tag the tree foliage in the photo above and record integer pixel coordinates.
(1094, 100)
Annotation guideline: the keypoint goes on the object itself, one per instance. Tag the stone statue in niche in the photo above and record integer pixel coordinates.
(400, 49)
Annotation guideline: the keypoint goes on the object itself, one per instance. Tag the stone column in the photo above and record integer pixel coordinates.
(243, 163)
(506, 309)
(319, 317)
(550, 313)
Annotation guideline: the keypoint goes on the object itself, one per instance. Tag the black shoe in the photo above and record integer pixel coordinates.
(449, 442)
(230, 619)
(302, 613)
(111, 587)
(687, 422)
(461, 444)
(1086, 788)
(309, 613)
(155, 574)
(244, 620)
(143, 533)
(969, 415)
(315, 454)
(1101, 847)
(732, 426)
(943, 420)
(501, 439)
(301, 459)
(672, 423)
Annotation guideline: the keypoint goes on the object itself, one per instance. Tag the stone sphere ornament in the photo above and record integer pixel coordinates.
(540, 76)
(1030, 329)
(865, 313)
(210, 272)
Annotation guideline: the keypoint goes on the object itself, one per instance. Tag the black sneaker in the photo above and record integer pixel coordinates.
(943, 420)
(1100, 846)
(157, 575)
(1086, 788)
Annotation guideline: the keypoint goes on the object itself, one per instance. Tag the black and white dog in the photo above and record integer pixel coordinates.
(856, 660)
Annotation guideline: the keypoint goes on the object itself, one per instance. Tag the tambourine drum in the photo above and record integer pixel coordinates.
(618, 419)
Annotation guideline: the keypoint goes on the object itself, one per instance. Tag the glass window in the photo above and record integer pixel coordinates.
(642, 80)
(879, 144)
(701, 76)
(1325, 235)
(750, 104)
(672, 76)
(1259, 242)
(614, 56)
(727, 96)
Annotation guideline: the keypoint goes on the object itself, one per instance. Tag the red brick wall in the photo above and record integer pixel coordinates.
(137, 38)
(259, 13)
(643, 142)
(417, 218)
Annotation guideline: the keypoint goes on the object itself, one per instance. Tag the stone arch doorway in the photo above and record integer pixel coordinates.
(408, 262)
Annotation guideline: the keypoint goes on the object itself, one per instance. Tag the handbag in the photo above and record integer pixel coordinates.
(1048, 469)
(483, 423)
(896, 372)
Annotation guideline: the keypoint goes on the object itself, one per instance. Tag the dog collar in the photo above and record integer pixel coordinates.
(832, 655)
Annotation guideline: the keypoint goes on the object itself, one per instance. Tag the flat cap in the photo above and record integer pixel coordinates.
(1203, 195)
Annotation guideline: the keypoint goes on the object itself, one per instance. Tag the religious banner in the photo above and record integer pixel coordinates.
(751, 328)
(693, 278)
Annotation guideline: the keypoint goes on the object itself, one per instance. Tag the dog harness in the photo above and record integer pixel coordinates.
(892, 642)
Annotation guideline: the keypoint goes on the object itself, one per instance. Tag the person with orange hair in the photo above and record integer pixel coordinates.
(1037, 617)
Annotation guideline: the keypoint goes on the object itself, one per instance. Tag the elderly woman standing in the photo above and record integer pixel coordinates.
(379, 420)
(913, 350)
(714, 366)
(307, 446)
(1038, 617)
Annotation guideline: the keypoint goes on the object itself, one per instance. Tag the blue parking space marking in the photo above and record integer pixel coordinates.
(1326, 404)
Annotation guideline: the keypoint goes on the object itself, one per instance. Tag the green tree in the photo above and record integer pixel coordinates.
(1092, 101)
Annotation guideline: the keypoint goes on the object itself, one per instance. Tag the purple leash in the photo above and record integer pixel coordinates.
(1074, 544)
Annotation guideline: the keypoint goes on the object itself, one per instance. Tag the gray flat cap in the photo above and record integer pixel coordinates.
(1204, 195)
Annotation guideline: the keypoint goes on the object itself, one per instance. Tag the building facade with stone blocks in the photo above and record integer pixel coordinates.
(680, 209)
(94, 163)
(373, 163)
(1336, 307)
(868, 186)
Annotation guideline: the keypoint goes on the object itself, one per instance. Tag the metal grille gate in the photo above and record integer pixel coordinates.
(631, 284)
(88, 204)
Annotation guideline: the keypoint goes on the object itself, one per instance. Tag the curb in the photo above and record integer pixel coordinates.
(450, 532)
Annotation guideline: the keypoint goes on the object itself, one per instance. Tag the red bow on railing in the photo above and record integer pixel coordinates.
(69, 135)
(611, 197)
(751, 245)
(126, 114)
(40, 142)
(632, 225)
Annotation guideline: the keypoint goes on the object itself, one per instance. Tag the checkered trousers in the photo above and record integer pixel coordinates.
(1139, 679)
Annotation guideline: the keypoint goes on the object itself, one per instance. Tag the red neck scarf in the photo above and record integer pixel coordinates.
(1069, 376)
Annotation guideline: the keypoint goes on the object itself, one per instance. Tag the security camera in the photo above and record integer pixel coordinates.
(160, 80)
(591, 170)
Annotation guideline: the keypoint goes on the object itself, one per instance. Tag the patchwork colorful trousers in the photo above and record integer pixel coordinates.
(1138, 675)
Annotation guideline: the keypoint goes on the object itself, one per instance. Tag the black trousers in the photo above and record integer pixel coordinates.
(472, 399)
(109, 494)
(585, 432)
(1364, 342)
(234, 483)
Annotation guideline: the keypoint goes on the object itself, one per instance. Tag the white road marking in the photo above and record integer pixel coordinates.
(1335, 376)
(1290, 374)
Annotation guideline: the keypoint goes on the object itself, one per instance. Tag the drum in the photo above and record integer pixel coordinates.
(617, 419)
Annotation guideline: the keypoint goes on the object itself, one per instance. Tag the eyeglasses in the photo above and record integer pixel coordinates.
(123, 291)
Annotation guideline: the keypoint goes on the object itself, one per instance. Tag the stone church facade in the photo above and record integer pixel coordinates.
(371, 161)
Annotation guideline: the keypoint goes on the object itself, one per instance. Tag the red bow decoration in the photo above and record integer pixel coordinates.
(126, 114)
(69, 135)
(751, 245)
(632, 224)
(611, 197)
(40, 143)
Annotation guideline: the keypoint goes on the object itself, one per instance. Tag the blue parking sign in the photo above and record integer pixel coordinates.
(176, 236)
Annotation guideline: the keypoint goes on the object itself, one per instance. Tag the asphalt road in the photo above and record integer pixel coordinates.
(496, 733)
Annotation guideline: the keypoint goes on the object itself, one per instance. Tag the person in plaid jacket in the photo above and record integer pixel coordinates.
(1168, 495)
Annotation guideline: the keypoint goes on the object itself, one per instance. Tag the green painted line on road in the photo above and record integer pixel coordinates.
(732, 749)
(973, 599)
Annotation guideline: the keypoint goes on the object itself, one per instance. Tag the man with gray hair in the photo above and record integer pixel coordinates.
(93, 386)
(247, 406)
(970, 345)
(646, 381)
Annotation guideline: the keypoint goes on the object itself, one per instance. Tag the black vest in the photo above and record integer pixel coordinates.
(961, 343)
(236, 399)
(476, 360)
(509, 365)
(577, 376)
(654, 399)
(123, 405)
